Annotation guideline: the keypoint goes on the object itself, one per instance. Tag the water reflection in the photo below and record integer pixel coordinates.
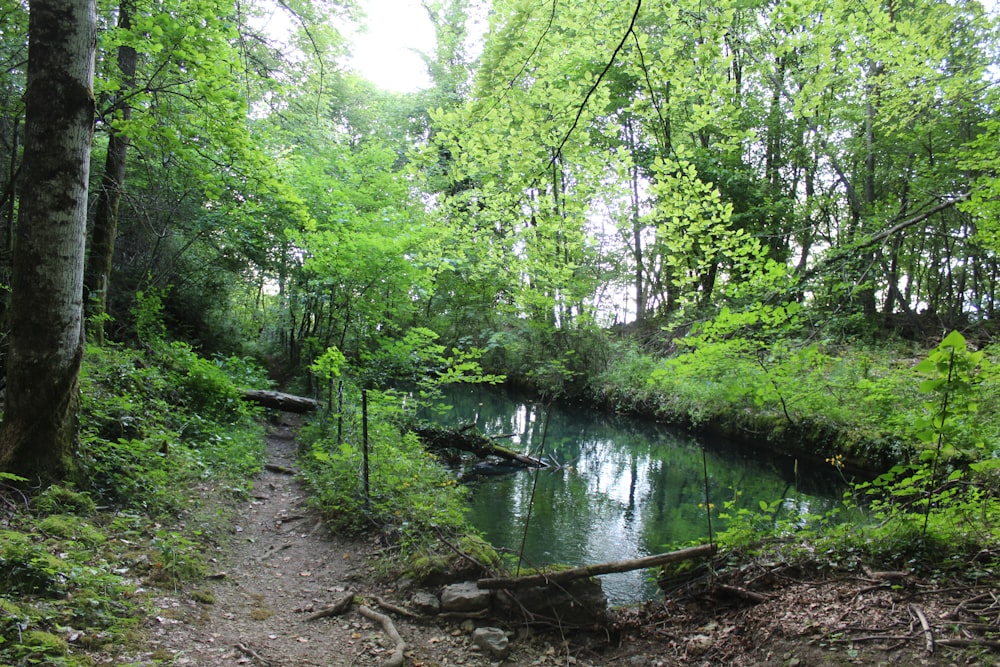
(621, 488)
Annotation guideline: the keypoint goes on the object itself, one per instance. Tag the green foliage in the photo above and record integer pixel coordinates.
(415, 360)
(154, 418)
(59, 500)
(76, 558)
(70, 527)
(148, 314)
(936, 514)
(175, 559)
(738, 373)
(413, 499)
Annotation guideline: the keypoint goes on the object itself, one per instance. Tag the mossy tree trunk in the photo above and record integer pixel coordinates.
(39, 431)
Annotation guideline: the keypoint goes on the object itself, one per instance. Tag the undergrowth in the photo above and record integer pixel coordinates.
(812, 397)
(75, 560)
(367, 471)
(411, 499)
(936, 514)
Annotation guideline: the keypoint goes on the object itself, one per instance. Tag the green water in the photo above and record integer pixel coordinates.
(625, 488)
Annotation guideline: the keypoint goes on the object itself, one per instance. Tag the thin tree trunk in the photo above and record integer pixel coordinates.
(38, 435)
(97, 274)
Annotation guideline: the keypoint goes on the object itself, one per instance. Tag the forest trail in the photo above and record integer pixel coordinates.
(280, 564)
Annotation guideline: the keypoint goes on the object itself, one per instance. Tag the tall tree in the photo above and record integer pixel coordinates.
(38, 434)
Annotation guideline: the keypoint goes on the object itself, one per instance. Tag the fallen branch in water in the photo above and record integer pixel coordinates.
(435, 437)
(548, 578)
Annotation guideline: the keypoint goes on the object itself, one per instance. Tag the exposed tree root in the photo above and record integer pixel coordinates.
(396, 659)
(336, 609)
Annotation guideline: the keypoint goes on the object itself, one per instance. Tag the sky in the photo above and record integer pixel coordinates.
(385, 53)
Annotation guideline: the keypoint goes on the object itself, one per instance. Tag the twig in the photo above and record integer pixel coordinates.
(990, 643)
(954, 613)
(336, 609)
(250, 653)
(461, 554)
(872, 638)
(396, 659)
(396, 609)
(742, 593)
(928, 633)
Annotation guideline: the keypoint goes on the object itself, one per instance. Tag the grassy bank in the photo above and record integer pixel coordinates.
(80, 562)
(861, 404)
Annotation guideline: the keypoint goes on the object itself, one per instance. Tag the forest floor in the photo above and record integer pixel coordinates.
(280, 565)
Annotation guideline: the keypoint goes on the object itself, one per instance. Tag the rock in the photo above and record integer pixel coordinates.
(493, 641)
(404, 585)
(465, 596)
(426, 603)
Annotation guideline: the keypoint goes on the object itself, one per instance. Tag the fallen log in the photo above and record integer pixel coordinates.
(548, 578)
(280, 401)
(435, 437)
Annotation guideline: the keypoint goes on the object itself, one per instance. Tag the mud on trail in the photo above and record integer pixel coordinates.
(280, 565)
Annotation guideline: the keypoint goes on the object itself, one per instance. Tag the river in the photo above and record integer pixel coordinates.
(622, 487)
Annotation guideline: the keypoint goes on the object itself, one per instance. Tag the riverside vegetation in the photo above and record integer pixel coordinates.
(77, 559)
(772, 220)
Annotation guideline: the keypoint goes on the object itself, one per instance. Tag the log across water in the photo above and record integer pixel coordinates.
(561, 576)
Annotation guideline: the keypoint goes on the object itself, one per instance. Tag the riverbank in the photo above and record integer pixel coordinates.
(864, 407)
(280, 565)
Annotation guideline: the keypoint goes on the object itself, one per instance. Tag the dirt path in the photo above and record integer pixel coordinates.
(280, 564)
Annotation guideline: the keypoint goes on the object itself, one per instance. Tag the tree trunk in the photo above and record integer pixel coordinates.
(102, 238)
(280, 401)
(39, 431)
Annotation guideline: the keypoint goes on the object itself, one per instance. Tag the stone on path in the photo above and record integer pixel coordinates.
(465, 596)
(492, 640)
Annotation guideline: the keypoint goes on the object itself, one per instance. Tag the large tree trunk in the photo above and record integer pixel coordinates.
(102, 238)
(39, 431)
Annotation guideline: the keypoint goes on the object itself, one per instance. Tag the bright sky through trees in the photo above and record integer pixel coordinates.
(386, 53)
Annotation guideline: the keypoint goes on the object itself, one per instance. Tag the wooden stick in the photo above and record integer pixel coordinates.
(396, 659)
(396, 609)
(548, 578)
(928, 633)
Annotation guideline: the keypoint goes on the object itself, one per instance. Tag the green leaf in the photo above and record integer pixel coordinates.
(953, 340)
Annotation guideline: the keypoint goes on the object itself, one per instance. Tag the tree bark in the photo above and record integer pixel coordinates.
(39, 431)
(548, 578)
